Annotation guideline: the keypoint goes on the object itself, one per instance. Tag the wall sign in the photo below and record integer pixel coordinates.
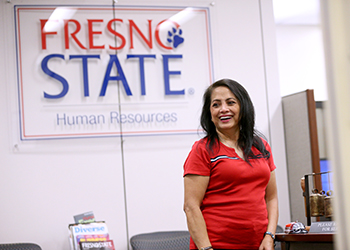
(77, 64)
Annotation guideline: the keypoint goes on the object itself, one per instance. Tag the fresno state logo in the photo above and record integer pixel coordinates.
(174, 34)
(72, 27)
(174, 37)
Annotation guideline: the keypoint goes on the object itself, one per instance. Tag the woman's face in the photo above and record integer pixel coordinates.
(224, 109)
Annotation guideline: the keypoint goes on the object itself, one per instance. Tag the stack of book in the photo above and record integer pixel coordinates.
(89, 234)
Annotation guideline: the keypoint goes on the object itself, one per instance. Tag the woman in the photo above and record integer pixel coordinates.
(230, 185)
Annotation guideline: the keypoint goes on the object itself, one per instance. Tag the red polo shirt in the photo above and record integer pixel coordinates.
(233, 207)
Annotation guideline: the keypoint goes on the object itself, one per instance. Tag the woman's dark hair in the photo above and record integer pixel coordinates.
(248, 136)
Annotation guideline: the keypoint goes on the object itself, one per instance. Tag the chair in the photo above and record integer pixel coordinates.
(279, 229)
(174, 240)
(19, 246)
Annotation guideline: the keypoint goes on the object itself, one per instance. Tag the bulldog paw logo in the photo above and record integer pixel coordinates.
(174, 37)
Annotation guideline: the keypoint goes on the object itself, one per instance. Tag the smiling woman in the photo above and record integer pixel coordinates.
(224, 111)
(229, 177)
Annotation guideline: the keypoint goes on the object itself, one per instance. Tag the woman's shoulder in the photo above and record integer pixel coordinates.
(262, 139)
(201, 143)
(199, 150)
(261, 144)
(266, 143)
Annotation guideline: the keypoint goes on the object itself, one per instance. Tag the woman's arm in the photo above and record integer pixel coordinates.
(195, 188)
(272, 210)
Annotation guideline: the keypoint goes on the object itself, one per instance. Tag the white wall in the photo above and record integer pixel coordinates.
(301, 60)
(300, 47)
(44, 183)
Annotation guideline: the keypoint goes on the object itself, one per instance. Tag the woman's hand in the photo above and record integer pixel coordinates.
(267, 243)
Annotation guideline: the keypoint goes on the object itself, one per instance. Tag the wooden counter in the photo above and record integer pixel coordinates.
(305, 241)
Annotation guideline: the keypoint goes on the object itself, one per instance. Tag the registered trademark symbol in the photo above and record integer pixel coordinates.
(191, 91)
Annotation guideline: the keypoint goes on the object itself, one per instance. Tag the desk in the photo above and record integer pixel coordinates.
(305, 241)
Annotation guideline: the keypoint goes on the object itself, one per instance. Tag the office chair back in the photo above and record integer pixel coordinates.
(19, 246)
(174, 240)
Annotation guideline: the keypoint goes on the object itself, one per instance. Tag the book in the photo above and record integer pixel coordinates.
(98, 245)
(87, 232)
(87, 217)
